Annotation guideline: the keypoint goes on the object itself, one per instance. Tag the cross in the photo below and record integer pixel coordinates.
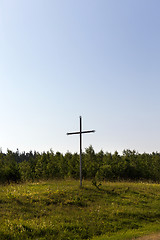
(80, 133)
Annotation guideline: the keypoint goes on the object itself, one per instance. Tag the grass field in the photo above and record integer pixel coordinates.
(61, 210)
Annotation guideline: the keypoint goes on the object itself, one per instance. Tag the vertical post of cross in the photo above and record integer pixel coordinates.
(80, 151)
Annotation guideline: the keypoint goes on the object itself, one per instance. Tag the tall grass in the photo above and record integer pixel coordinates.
(61, 210)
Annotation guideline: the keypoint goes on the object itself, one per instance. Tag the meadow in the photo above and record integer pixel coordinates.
(61, 210)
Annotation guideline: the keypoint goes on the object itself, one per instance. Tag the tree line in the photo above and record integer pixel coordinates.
(32, 166)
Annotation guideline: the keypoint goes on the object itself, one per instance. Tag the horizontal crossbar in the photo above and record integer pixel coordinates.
(91, 131)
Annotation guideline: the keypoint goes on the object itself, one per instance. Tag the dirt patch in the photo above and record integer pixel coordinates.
(155, 236)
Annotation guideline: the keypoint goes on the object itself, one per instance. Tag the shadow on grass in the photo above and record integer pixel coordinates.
(5, 236)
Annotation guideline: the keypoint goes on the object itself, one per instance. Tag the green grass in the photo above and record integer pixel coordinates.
(61, 210)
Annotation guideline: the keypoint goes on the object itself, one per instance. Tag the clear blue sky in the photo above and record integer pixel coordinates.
(60, 59)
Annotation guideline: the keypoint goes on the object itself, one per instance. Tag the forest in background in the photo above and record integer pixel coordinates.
(33, 166)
